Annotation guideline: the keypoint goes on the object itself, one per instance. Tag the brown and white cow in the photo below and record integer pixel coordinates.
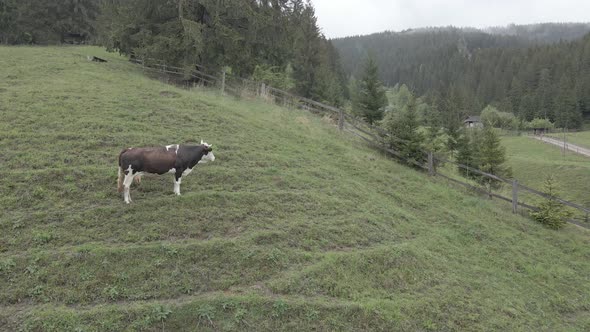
(179, 159)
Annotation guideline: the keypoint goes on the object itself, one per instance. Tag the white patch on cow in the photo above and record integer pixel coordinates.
(176, 146)
(208, 157)
(127, 183)
(177, 186)
(172, 170)
(187, 171)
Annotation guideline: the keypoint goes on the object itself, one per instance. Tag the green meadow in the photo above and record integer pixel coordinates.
(533, 161)
(581, 138)
(294, 227)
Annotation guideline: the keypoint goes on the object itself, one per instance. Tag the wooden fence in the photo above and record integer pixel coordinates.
(374, 136)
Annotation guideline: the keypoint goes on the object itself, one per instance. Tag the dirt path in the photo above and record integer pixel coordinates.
(568, 146)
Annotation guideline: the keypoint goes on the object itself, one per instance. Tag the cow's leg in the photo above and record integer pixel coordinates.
(129, 175)
(177, 186)
(177, 181)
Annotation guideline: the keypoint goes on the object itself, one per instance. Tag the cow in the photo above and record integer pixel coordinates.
(179, 159)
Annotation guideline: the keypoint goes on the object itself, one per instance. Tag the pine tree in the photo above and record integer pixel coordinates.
(544, 94)
(307, 47)
(371, 95)
(405, 135)
(491, 156)
(467, 148)
(8, 16)
(449, 106)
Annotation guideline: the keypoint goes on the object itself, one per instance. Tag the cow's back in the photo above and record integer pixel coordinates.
(149, 160)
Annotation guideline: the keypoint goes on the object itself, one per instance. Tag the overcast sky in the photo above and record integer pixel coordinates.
(340, 18)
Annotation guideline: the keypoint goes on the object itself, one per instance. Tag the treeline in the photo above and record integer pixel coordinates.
(476, 69)
(46, 21)
(402, 55)
(279, 40)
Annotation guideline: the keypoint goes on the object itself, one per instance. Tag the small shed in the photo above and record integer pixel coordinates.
(73, 38)
(540, 131)
(473, 121)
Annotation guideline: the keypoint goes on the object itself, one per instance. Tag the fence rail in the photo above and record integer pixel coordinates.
(374, 136)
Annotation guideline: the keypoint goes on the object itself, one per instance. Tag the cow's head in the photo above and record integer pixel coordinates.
(208, 152)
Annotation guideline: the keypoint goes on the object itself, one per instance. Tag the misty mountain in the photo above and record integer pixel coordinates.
(399, 54)
(520, 69)
(544, 32)
(417, 46)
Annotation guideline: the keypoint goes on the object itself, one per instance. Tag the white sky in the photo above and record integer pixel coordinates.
(340, 18)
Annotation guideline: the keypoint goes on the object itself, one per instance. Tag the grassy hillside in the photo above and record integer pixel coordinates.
(533, 161)
(293, 227)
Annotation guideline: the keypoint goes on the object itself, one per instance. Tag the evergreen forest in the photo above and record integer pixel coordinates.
(527, 71)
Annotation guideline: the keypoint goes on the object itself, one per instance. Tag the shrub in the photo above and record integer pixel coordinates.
(491, 117)
(552, 213)
(540, 123)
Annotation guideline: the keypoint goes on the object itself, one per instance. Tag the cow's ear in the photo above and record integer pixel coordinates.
(210, 147)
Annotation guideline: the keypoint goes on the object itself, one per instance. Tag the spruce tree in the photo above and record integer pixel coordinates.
(405, 135)
(466, 152)
(371, 95)
(8, 27)
(491, 156)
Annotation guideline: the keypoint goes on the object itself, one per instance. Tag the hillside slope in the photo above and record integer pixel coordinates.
(293, 227)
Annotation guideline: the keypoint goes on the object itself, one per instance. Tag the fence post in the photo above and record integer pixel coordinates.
(223, 81)
(514, 196)
(341, 120)
(262, 90)
(431, 170)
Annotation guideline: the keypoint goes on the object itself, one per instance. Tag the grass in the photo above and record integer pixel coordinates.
(533, 161)
(581, 138)
(293, 227)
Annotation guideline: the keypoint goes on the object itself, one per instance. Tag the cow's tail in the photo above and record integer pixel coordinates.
(120, 178)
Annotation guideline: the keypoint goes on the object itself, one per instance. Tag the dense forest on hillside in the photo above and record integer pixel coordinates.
(280, 37)
(515, 74)
(526, 70)
(277, 41)
(45, 21)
